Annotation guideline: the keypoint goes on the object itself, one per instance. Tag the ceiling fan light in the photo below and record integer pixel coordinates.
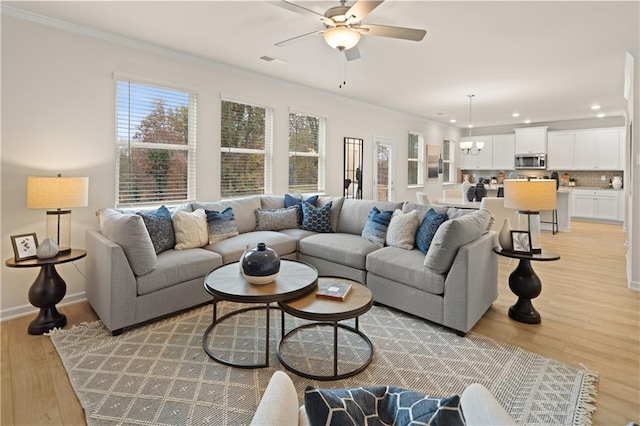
(341, 37)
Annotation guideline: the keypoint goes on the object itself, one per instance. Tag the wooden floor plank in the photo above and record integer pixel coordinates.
(589, 318)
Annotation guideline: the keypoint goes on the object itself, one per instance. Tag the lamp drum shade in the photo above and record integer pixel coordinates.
(530, 195)
(57, 192)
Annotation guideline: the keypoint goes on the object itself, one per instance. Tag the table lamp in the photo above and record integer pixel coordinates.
(530, 197)
(59, 193)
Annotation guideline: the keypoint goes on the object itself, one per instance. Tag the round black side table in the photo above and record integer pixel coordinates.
(525, 284)
(48, 289)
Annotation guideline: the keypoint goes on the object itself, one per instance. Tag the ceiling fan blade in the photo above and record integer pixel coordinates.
(395, 32)
(352, 54)
(292, 40)
(293, 7)
(361, 9)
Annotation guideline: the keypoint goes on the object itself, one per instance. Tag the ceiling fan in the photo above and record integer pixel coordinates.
(343, 26)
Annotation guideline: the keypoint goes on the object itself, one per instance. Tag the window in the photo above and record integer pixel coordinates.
(448, 175)
(306, 153)
(415, 159)
(247, 149)
(156, 144)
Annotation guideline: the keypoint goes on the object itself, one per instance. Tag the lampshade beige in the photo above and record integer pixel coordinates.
(58, 193)
(530, 197)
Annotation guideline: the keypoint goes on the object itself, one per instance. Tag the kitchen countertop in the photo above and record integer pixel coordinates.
(592, 188)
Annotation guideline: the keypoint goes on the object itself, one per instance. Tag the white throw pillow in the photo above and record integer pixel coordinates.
(402, 229)
(191, 229)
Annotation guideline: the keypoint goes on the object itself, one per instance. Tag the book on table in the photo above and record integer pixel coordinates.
(336, 290)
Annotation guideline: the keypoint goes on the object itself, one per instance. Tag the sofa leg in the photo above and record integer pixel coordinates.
(117, 332)
(460, 333)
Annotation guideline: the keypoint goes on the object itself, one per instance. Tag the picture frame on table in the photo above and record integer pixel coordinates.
(25, 246)
(521, 241)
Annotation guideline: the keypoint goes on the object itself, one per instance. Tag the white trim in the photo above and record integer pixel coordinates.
(133, 78)
(24, 310)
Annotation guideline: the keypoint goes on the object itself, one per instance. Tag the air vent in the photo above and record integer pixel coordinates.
(267, 58)
(272, 59)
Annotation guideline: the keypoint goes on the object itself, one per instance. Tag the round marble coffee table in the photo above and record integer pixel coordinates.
(327, 312)
(225, 283)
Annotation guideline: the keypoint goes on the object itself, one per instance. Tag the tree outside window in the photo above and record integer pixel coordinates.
(306, 153)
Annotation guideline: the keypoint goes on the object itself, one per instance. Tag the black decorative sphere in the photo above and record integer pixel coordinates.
(260, 264)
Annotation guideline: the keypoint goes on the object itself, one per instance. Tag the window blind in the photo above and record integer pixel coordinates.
(307, 140)
(155, 143)
(247, 149)
(415, 163)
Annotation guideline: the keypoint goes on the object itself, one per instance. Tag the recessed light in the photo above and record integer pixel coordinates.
(515, 114)
(527, 121)
(453, 120)
(600, 115)
(595, 107)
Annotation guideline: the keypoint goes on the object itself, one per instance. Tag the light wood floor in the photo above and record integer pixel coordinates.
(589, 317)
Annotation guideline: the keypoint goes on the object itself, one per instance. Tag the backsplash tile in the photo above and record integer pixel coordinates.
(582, 178)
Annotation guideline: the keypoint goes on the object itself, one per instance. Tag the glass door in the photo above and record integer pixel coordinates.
(383, 185)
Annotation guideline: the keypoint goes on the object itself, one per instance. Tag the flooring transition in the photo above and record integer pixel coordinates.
(589, 317)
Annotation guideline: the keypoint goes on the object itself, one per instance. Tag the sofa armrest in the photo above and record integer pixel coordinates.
(480, 408)
(471, 285)
(111, 284)
(279, 404)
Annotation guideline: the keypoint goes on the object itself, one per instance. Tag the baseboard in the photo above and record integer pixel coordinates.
(23, 310)
(634, 285)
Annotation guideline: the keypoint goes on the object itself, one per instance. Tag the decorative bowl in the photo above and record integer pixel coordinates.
(260, 265)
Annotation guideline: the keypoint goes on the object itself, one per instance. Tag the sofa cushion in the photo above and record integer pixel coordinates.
(343, 249)
(243, 209)
(177, 266)
(336, 206)
(427, 230)
(221, 225)
(275, 220)
(232, 248)
(160, 228)
(380, 405)
(402, 229)
(191, 229)
(354, 213)
(128, 231)
(272, 202)
(291, 201)
(453, 234)
(375, 229)
(317, 219)
(405, 267)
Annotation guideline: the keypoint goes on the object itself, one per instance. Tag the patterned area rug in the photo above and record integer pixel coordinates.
(159, 374)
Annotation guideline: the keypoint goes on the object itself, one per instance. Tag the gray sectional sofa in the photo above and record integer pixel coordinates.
(127, 283)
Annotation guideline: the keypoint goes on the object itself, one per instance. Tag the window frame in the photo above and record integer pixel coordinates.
(129, 144)
(321, 153)
(420, 159)
(448, 163)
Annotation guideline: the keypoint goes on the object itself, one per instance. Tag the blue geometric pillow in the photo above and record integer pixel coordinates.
(432, 220)
(221, 225)
(375, 230)
(316, 218)
(160, 228)
(380, 405)
(290, 201)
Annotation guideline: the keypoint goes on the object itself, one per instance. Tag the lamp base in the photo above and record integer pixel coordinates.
(531, 222)
(59, 229)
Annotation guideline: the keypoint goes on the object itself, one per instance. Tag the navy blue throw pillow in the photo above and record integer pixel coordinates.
(316, 219)
(375, 229)
(379, 405)
(160, 228)
(430, 224)
(290, 201)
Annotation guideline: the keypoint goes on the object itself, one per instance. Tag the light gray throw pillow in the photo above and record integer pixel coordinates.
(129, 232)
(452, 235)
(278, 219)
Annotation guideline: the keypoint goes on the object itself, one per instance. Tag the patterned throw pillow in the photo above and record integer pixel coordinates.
(191, 229)
(222, 225)
(316, 219)
(160, 228)
(384, 405)
(430, 224)
(375, 230)
(290, 201)
(402, 229)
(275, 220)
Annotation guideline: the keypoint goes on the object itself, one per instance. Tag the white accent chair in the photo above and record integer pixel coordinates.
(423, 198)
(496, 206)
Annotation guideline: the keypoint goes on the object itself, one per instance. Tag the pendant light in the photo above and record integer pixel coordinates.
(467, 146)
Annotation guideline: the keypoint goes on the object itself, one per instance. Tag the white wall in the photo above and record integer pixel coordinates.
(58, 109)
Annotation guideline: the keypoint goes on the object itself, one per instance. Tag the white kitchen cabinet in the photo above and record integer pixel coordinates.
(503, 152)
(560, 150)
(597, 149)
(483, 160)
(596, 204)
(531, 140)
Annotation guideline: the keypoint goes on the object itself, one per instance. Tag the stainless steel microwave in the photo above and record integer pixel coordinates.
(531, 161)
